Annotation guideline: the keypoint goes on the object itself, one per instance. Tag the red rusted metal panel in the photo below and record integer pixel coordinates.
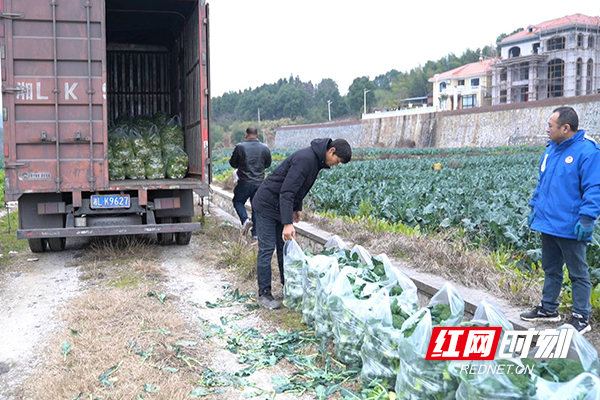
(54, 142)
(55, 80)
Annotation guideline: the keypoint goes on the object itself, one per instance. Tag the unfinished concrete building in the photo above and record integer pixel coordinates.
(557, 58)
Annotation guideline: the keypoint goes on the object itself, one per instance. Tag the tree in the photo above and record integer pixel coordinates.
(355, 96)
(291, 102)
(327, 90)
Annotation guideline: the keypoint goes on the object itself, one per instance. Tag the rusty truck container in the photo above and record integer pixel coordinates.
(70, 68)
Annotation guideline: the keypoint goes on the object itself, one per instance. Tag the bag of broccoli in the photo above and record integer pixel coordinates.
(447, 307)
(172, 133)
(323, 321)
(379, 352)
(314, 268)
(135, 169)
(152, 137)
(176, 164)
(335, 243)
(513, 382)
(585, 386)
(160, 119)
(488, 314)
(348, 310)
(154, 167)
(141, 148)
(399, 285)
(142, 122)
(124, 121)
(116, 167)
(120, 144)
(349, 326)
(419, 378)
(554, 372)
(293, 264)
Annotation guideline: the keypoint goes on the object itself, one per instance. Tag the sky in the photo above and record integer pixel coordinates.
(261, 41)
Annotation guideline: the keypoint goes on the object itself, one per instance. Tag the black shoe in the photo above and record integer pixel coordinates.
(581, 324)
(268, 301)
(538, 314)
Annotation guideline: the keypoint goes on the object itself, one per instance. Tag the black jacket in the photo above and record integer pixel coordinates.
(251, 158)
(284, 189)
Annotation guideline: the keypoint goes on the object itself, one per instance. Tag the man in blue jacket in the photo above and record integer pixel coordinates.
(564, 207)
(251, 158)
(278, 204)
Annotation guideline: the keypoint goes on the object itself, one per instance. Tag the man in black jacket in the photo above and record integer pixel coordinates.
(251, 158)
(278, 204)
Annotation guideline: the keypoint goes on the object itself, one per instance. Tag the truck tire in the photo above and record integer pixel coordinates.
(37, 245)
(164, 239)
(57, 244)
(183, 238)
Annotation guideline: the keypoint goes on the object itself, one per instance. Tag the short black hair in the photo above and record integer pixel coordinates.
(342, 149)
(251, 131)
(567, 116)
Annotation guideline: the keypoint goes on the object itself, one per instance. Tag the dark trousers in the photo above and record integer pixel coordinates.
(556, 252)
(270, 233)
(241, 193)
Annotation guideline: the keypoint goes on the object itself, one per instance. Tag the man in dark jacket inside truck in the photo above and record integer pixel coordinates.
(251, 158)
(278, 204)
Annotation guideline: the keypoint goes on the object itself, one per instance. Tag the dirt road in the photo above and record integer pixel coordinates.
(160, 315)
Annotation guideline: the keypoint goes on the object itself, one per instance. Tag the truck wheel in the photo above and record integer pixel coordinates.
(57, 244)
(37, 245)
(183, 238)
(165, 239)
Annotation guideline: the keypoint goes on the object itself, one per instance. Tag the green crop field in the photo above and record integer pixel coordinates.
(482, 193)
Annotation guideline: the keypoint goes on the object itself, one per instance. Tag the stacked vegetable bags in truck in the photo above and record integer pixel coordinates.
(147, 148)
(370, 309)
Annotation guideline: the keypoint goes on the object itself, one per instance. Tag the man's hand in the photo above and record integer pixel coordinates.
(584, 229)
(297, 216)
(289, 232)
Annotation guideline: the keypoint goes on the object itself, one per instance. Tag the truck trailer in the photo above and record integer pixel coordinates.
(70, 70)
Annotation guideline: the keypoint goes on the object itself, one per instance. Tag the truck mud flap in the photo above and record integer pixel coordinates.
(108, 230)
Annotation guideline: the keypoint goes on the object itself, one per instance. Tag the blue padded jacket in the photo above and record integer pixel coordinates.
(568, 186)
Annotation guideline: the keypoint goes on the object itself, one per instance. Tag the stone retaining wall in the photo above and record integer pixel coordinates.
(491, 126)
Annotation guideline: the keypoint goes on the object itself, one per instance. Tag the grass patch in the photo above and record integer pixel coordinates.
(123, 344)
(8, 240)
(238, 254)
(284, 318)
(1, 188)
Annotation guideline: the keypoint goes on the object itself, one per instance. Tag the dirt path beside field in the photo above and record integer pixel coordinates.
(30, 293)
(137, 316)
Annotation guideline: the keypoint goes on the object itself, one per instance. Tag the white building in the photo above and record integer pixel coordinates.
(557, 58)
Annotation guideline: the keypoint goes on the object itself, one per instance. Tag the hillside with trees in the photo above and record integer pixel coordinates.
(292, 101)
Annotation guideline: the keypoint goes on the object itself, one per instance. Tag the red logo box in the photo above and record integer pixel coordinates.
(472, 343)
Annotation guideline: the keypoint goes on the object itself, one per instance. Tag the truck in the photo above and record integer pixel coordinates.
(70, 69)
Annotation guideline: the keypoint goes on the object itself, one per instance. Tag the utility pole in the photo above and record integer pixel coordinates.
(259, 121)
(365, 91)
(329, 108)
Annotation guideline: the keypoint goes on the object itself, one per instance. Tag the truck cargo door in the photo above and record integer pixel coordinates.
(197, 93)
(52, 90)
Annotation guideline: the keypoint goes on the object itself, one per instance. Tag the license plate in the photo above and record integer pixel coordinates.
(110, 201)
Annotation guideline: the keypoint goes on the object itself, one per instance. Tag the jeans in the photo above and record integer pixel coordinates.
(556, 252)
(241, 193)
(270, 233)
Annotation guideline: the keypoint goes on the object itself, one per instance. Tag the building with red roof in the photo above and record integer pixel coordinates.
(556, 58)
(463, 87)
